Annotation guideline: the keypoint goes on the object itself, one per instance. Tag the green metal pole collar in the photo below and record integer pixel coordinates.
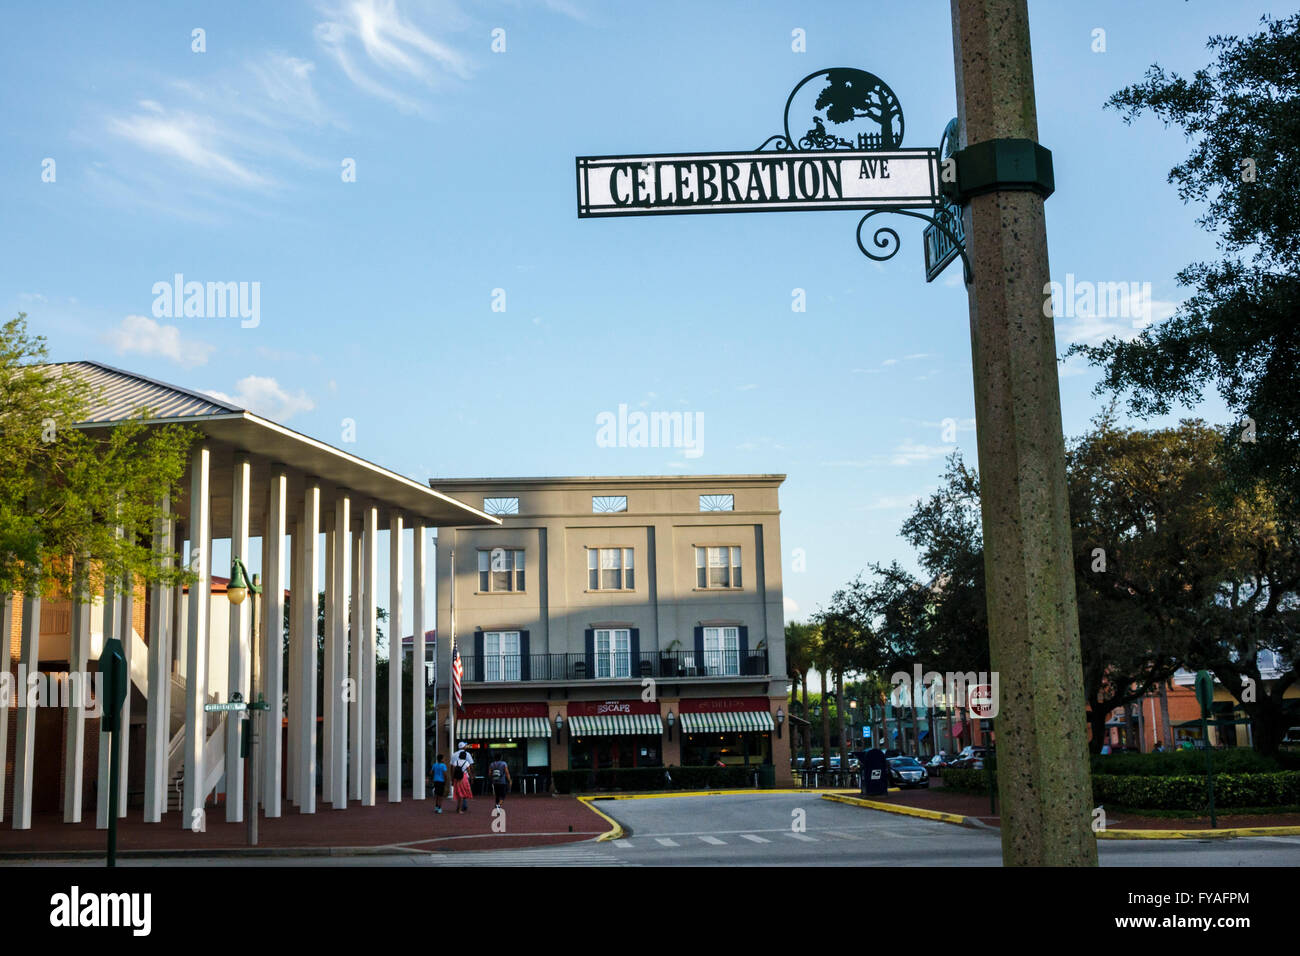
(998, 165)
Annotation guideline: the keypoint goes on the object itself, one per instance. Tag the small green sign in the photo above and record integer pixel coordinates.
(1205, 691)
(112, 664)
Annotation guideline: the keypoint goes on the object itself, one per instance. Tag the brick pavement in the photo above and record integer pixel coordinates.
(533, 820)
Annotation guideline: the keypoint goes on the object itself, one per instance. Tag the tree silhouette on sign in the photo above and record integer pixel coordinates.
(854, 94)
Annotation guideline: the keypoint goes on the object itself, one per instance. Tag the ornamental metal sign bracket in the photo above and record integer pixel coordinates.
(850, 157)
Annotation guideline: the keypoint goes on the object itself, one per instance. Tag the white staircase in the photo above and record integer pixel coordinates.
(214, 747)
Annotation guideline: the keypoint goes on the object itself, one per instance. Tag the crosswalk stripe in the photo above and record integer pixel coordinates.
(713, 840)
(842, 835)
(802, 836)
(664, 841)
(622, 844)
(753, 839)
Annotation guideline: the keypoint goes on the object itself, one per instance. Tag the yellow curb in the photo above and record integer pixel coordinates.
(1221, 834)
(1100, 834)
(616, 833)
(898, 808)
(687, 793)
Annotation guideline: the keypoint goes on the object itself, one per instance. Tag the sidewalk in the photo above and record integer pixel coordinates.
(534, 820)
(976, 807)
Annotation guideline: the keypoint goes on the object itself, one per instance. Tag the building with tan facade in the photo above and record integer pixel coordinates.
(615, 622)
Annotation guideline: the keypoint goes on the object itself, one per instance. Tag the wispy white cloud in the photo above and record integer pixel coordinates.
(193, 140)
(379, 50)
(266, 397)
(141, 335)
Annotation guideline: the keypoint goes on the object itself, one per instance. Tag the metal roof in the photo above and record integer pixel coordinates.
(120, 396)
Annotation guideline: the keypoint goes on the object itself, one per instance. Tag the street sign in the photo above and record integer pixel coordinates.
(850, 157)
(943, 245)
(945, 238)
(980, 700)
(756, 182)
(222, 708)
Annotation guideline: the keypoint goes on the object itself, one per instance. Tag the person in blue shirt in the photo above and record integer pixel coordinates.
(439, 773)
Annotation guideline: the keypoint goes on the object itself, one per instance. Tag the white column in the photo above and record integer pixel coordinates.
(112, 628)
(395, 634)
(196, 635)
(25, 741)
(6, 635)
(293, 710)
(158, 708)
(74, 755)
(237, 667)
(355, 645)
(307, 649)
(370, 581)
(126, 607)
(418, 678)
(272, 638)
(336, 653)
(327, 663)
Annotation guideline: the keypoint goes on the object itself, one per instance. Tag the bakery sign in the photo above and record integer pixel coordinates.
(503, 710)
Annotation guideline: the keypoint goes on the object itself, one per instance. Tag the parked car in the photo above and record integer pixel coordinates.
(1292, 739)
(937, 763)
(908, 772)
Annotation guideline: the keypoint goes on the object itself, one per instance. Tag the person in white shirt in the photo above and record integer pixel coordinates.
(463, 788)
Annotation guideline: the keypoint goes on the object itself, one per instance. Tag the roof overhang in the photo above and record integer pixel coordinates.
(257, 436)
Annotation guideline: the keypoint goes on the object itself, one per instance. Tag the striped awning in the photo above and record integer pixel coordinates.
(739, 721)
(609, 725)
(501, 728)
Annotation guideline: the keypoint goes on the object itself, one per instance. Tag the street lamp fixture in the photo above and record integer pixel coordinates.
(559, 726)
(780, 719)
(672, 720)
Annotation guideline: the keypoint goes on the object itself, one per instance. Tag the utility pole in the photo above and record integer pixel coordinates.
(1003, 178)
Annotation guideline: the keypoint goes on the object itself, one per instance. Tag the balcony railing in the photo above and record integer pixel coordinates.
(613, 666)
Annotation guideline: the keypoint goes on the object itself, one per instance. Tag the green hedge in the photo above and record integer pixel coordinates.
(652, 778)
(1183, 763)
(1188, 793)
(966, 781)
(1180, 792)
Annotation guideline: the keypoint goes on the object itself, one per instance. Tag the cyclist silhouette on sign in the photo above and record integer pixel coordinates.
(818, 138)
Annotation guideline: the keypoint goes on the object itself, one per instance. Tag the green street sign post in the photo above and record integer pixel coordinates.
(1205, 697)
(112, 664)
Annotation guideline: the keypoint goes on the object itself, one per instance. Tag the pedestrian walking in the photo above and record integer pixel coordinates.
(462, 775)
(438, 773)
(499, 774)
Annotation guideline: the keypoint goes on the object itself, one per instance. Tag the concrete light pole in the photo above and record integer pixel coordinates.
(1042, 764)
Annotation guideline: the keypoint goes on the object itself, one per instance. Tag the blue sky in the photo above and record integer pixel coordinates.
(376, 295)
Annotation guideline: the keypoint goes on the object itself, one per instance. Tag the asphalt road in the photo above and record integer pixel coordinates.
(785, 830)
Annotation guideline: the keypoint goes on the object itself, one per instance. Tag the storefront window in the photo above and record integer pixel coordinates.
(601, 753)
(703, 750)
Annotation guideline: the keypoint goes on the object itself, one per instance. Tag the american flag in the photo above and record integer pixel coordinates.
(456, 671)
